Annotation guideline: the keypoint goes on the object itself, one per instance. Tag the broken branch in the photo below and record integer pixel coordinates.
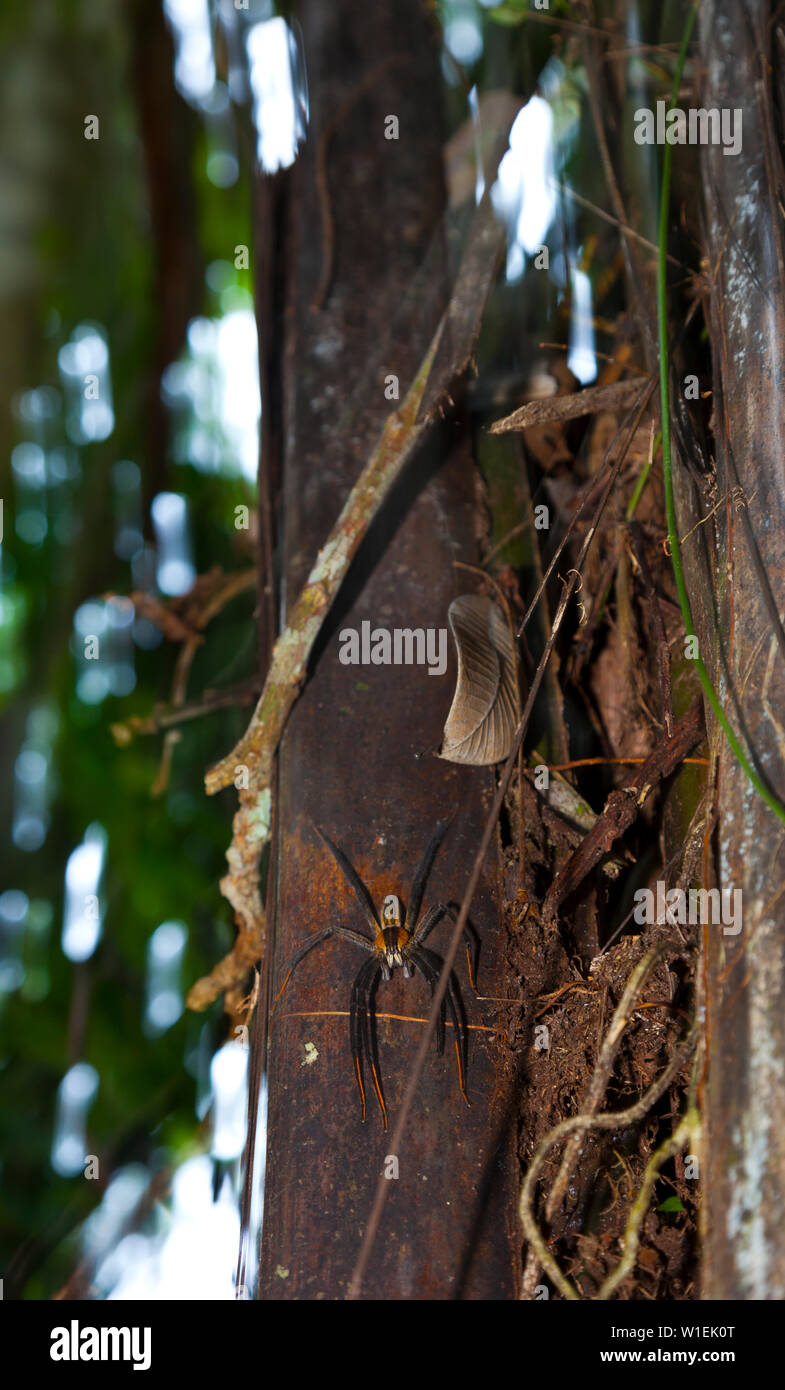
(590, 401)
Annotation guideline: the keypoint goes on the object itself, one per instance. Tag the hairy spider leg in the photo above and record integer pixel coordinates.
(354, 1035)
(423, 963)
(430, 920)
(452, 999)
(355, 882)
(355, 936)
(458, 1014)
(421, 876)
(363, 1039)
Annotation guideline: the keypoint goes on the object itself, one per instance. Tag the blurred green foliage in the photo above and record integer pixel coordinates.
(77, 246)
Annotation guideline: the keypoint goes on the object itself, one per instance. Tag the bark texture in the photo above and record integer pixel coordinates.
(744, 1169)
(356, 758)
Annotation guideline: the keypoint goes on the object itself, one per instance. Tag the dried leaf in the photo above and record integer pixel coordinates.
(485, 710)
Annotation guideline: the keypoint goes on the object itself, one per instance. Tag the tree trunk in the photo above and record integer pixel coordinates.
(744, 1171)
(350, 761)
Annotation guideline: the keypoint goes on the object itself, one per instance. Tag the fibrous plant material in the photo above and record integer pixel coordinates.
(574, 1128)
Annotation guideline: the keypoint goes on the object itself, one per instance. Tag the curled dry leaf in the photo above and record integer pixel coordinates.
(485, 710)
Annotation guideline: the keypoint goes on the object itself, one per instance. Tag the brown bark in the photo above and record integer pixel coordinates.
(349, 761)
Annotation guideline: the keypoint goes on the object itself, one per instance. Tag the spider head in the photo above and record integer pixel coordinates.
(391, 940)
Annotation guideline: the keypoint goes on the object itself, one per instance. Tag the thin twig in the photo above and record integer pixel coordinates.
(168, 716)
(207, 598)
(614, 221)
(396, 1018)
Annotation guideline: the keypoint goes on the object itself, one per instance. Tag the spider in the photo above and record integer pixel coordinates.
(393, 945)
